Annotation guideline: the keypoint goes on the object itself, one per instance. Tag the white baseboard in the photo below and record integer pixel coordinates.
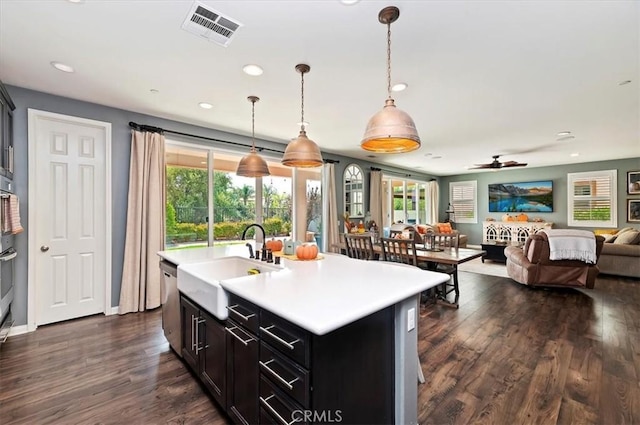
(23, 329)
(19, 330)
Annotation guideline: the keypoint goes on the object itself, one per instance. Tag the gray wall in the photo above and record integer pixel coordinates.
(559, 176)
(121, 138)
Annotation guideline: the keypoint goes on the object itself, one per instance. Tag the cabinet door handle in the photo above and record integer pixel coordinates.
(199, 345)
(275, 375)
(193, 333)
(264, 401)
(243, 317)
(230, 330)
(196, 324)
(289, 345)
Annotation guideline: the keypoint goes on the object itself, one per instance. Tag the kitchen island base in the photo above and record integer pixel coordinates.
(362, 373)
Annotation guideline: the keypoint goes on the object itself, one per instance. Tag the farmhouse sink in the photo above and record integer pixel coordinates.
(201, 281)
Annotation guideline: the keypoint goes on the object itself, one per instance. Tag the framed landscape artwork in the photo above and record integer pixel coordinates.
(633, 182)
(534, 196)
(633, 210)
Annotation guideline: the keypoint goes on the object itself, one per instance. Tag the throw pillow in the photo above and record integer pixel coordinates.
(624, 229)
(604, 232)
(631, 237)
(422, 228)
(608, 237)
(444, 228)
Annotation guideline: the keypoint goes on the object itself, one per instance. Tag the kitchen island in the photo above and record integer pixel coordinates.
(329, 340)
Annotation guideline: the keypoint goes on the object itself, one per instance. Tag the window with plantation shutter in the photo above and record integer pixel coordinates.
(463, 198)
(592, 199)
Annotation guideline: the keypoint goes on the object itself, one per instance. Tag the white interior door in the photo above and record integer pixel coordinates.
(69, 217)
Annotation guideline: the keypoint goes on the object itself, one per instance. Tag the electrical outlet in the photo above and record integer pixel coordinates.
(411, 319)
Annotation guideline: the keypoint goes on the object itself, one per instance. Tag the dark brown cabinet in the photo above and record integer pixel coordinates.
(242, 362)
(263, 369)
(204, 348)
(6, 133)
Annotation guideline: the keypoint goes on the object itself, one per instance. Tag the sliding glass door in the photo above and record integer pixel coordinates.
(406, 200)
(208, 204)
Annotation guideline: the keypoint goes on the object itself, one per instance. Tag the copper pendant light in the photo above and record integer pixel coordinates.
(253, 165)
(391, 130)
(302, 152)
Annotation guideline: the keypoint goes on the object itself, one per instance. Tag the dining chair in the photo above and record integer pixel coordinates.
(399, 251)
(447, 241)
(360, 246)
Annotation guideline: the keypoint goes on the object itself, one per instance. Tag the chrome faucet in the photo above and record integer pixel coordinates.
(264, 237)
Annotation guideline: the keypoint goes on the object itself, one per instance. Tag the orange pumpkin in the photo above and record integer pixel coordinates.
(307, 251)
(274, 245)
(522, 217)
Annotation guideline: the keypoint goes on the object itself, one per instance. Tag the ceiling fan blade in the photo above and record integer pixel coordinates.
(514, 164)
(478, 166)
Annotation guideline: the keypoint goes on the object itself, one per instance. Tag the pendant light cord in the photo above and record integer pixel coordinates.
(253, 126)
(302, 102)
(389, 59)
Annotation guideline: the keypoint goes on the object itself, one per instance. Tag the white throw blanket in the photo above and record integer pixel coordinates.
(569, 244)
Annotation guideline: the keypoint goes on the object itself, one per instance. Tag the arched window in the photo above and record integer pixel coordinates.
(354, 191)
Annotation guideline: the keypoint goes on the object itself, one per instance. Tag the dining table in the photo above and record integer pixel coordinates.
(432, 257)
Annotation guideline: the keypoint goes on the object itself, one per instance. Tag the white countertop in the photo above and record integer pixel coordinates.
(324, 295)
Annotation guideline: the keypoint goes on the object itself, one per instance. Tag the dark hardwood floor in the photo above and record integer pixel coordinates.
(509, 355)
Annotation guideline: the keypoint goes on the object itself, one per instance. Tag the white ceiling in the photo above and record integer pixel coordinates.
(485, 77)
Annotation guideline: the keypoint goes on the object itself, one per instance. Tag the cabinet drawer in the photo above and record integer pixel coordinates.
(244, 313)
(277, 408)
(286, 337)
(285, 374)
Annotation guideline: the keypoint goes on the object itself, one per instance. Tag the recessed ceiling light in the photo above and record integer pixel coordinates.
(428, 154)
(436, 157)
(253, 70)
(76, 1)
(564, 133)
(622, 83)
(205, 105)
(154, 91)
(349, 2)
(62, 67)
(575, 154)
(371, 156)
(399, 87)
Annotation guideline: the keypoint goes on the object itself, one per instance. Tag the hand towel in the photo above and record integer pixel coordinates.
(570, 244)
(11, 213)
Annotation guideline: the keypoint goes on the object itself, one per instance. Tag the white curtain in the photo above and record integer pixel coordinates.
(433, 198)
(331, 206)
(375, 198)
(140, 287)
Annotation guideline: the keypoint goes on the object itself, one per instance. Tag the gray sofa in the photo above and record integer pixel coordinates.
(621, 259)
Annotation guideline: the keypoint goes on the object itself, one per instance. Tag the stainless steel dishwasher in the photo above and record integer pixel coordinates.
(171, 306)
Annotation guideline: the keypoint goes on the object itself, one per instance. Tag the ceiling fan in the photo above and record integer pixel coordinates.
(496, 165)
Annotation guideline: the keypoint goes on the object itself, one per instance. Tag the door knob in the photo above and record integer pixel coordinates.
(44, 248)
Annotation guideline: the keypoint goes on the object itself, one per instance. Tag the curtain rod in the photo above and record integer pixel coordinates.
(390, 171)
(141, 127)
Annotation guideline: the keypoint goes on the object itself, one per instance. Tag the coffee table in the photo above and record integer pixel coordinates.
(495, 250)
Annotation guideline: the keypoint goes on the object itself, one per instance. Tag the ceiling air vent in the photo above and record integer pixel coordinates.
(210, 24)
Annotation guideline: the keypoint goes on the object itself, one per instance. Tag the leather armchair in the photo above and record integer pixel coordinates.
(531, 265)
